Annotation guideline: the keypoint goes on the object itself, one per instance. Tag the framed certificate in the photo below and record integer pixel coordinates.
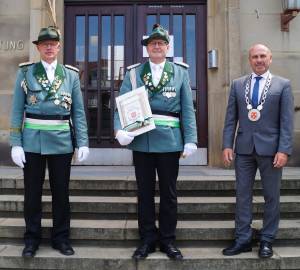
(135, 112)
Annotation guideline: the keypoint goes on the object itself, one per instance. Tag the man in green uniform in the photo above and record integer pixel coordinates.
(159, 150)
(47, 101)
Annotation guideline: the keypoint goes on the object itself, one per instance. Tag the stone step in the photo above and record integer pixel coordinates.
(126, 185)
(208, 258)
(11, 205)
(127, 230)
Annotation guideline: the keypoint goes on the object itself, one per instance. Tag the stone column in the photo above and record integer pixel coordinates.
(40, 17)
(223, 35)
(14, 49)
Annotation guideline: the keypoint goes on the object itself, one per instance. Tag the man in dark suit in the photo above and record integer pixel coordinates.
(262, 106)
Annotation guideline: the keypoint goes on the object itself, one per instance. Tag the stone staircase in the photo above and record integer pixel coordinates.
(104, 229)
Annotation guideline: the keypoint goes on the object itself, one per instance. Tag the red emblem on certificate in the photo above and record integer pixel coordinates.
(254, 115)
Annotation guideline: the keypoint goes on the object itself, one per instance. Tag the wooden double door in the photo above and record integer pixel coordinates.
(101, 40)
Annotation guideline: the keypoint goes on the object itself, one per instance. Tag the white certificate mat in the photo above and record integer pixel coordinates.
(135, 112)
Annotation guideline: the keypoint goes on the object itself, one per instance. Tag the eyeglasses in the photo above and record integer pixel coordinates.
(46, 45)
(158, 43)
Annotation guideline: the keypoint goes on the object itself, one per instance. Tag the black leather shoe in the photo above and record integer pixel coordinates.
(143, 251)
(171, 251)
(64, 248)
(29, 251)
(265, 249)
(237, 248)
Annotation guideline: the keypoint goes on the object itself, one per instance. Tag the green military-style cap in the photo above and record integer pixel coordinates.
(158, 32)
(48, 33)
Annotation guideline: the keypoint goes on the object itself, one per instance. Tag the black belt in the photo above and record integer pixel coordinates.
(47, 116)
(174, 114)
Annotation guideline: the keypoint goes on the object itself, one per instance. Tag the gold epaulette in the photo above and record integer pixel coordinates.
(26, 64)
(182, 64)
(72, 68)
(133, 66)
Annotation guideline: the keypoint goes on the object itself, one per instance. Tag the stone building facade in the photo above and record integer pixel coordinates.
(231, 27)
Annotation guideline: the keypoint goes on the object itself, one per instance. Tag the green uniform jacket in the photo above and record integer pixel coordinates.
(172, 94)
(34, 94)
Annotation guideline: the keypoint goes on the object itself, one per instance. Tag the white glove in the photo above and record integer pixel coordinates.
(83, 153)
(189, 149)
(124, 137)
(18, 156)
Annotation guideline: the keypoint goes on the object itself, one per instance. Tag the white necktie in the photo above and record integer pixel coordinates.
(156, 74)
(50, 73)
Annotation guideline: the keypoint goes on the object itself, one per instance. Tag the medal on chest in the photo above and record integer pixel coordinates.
(254, 114)
(169, 91)
(33, 99)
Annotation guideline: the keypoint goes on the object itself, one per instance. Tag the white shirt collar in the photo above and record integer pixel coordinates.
(51, 66)
(160, 65)
(265, 75)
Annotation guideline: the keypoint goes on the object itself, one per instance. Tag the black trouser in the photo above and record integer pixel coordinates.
(166, 165)
(59, 175)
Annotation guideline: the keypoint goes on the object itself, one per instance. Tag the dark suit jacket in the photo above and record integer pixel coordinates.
(273, 132)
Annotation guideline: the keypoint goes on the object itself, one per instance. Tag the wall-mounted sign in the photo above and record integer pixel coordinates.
(11, 45)
(212, 59)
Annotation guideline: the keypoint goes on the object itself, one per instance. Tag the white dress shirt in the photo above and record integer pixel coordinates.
(262, 82)
(50, 69)
(156, 71)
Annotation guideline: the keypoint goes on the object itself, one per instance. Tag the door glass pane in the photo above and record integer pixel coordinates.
(93, 51)
(191, 47)
(105, 113)
(194, 95)
(105, 61)
(80, 46)
(151, 19)
(92, 112)
(119, 50)
(177, 32)
(164, 21)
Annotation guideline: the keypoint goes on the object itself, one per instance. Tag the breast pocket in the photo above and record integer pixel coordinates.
(274, 100)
